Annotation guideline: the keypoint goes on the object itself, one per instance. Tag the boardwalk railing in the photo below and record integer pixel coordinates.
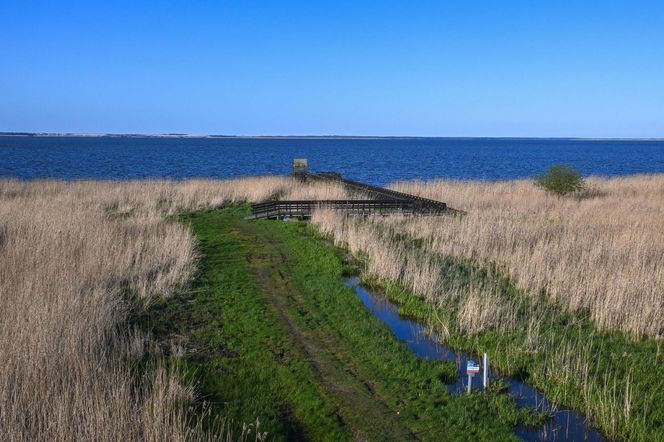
(304, 209)
(384, 193)
(384, 202)
(381, 192)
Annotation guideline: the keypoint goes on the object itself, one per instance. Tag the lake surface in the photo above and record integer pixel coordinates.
(376, 161)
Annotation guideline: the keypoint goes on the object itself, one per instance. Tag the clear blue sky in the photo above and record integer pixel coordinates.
(499, 68)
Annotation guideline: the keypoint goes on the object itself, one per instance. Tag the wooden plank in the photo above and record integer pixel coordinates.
(387, 202)
(275, 209)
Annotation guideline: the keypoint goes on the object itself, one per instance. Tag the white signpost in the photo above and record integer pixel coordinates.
(472, 367)
(485, 373)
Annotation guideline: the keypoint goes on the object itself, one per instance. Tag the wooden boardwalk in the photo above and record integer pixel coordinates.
(386, 202)
(378, 192)
(304, 209)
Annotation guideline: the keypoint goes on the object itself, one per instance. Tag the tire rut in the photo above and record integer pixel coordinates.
(359, 407)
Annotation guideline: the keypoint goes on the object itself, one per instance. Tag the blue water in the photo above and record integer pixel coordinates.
(564, 425)
(377, 161)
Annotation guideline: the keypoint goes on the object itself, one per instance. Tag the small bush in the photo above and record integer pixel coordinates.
(561, 180)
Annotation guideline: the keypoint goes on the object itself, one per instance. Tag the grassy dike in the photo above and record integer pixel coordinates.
(604, 358)
(271, 333)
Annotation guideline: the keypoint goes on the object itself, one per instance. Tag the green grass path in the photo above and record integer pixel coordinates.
(272, 333)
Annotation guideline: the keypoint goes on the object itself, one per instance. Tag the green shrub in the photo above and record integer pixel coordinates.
(561, 180)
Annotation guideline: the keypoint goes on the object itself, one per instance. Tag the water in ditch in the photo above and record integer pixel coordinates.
(565, 425)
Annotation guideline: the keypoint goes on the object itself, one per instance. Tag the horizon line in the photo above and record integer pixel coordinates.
(194, 136)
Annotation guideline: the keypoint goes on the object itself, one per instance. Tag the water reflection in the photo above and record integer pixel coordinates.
(565, 425)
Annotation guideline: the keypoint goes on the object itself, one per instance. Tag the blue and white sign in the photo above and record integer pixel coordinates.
(472, 367)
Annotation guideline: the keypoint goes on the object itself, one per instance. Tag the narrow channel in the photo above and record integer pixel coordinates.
(565, 425)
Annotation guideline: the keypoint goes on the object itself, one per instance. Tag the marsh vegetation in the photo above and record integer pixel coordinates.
(566, 292)
(77, 260)
(600, 250)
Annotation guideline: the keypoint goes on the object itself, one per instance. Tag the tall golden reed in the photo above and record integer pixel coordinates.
(602, 250)
(69, 252)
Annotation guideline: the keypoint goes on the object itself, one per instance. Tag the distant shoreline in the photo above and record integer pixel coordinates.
(303, 137)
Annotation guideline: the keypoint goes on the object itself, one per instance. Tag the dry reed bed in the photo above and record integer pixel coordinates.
(390, 257)
(602, 251)
(69, 251)
(473, 307)
(316, 190)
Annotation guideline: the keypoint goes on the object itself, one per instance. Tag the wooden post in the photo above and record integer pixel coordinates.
(300, 168)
